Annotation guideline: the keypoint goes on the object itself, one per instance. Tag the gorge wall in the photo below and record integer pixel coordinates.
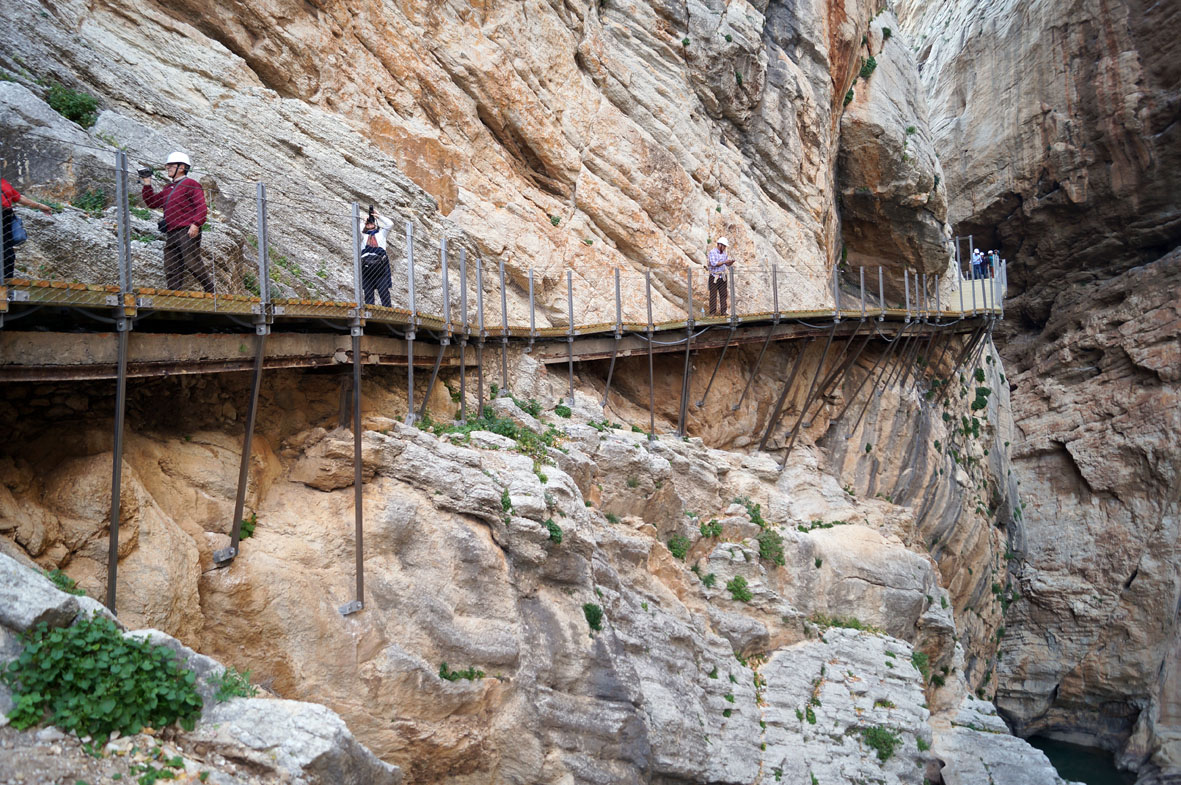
(1076, 182)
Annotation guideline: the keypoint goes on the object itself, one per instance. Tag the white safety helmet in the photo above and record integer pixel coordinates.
(179, 158)
(723, 241)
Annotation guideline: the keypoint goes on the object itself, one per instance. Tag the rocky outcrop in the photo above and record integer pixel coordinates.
(893, 202)
(240, 741)
(1056, 127)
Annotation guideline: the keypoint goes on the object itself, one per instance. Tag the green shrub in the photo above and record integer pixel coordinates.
(771, 547)
(632, 482)
(89, 679)
(739, 590)
(810, 715)
(555, 531)
(709, 580)
(848, 98)
(847, 622)
(714, 673)
(141, 212)
(232, 684)
(555, 219)
(886, 33)
(72, 105)
(612, 518)
(818, 561)
(922, 663)
(678, 545)
(471, 674)
(594, 615)
(562, 410)
(91, 201)
(923, 744)
(64, 582)
(248, 524)
(729, 696)
(755, 511)
(868, 66)
(883, 703)
(881, 740)
(711, 529)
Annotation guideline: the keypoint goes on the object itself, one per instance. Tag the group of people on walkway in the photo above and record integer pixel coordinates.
(984, 265)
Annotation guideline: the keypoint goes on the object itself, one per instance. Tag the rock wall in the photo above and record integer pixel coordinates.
(682, 683)
(1056, 127)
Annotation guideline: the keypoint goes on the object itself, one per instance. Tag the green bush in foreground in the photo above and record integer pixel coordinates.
(72, 105)
(594, 615)
(679, 546)
(64, 582)
(471, 674)
(881, 740)
(232, 684)
(91, 680)
(555, 531)
(739, 590)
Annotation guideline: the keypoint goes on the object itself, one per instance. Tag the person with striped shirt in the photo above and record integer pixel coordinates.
(718, 263)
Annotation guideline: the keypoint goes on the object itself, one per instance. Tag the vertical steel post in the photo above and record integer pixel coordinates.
(836, 295)
(881, 295)
(775, 290)
(861, 271)
(532, 311)
(570, 331)
(410, 334)
(651, 375)
(906, 286)
(480, 338)
(355, 331)
(503, 333)
(685, 376)
(262, 329)
(618, 335)
(938, 300)
(732, 283)
(123, 328)
(463, 335)
(446, 286)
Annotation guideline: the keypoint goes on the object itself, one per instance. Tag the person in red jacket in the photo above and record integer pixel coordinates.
(9, 197)
(183, 201)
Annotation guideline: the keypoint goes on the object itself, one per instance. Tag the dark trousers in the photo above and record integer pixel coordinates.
(376, 277)
(181, 253)
(718, 289)
(9, 248)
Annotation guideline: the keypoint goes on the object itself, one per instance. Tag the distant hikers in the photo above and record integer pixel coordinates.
(375, 262)
(14, 231)
(183, 201)
(718, 264)
(977, 264)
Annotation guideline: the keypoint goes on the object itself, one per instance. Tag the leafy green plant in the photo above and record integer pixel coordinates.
(506, 502)
(678, 546)
(141, 212)
(91, 201)
(555, 531)
(562, 410)
(881, 740)
(771, 546)
(922, 663)
(868, 66)
(809, 715)
(755, 511)
(729, 38)
(709, 580)
(818, 561)
(632, 482)
(848, 98)
(89, 679)
(714, 673)
(738, 78)
(471, 674)
(883, 703)
(73, 105)
(684, 42)
(612, 518)
(922, 743)
(64, 582)
(729, 696)
(529, 442)
(886, 33)
(910, 129)
(739, 589)
(594, 615)
(232, 684)
(711, 529)
(847, 622)
(248, 524)
(555, 219)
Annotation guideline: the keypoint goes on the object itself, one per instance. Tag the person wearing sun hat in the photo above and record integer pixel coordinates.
(717, 264)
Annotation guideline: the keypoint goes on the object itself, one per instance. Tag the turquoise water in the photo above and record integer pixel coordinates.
(1082, 764)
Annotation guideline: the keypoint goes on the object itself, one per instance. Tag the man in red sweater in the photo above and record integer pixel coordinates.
(183, 201)
(11, 197)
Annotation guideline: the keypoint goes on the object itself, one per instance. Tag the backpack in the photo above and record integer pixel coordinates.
(373, 256)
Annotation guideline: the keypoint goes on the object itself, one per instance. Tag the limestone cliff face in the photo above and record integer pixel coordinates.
(585, 136)
(684, 682)
(1056, 127)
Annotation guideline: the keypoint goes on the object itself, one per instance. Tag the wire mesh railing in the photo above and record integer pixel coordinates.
(117, 233)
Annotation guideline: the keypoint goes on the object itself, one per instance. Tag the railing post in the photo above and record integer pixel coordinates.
(410, 331)
(618, 336)
(861, 271)
(446, 286)
(733, 297)
(570, 331)
(836, 294)
(532, 311)
(503, 333)
(686, 381)
(881, 294)
(466, 331)
(651, 376)
(355, 331)
(480, 338)
(906, 286)
(775, 290)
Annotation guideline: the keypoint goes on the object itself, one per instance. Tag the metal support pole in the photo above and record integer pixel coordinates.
(123, 224)
(840, 367)
(732, 283)
(532, 311)
(766, 342)
(881, 295)
(480, 338)
(967, 349)
(906, 286)
(717, 365)
(570, 331)
(861, 271)
(618, 336)
(413, 324)
(651, 376)
(685, 376)
(224, 556)
(446, 286)
(355, 331)
(775, 291)
(836, 294)
(443, 343)
(938, 301)
(123, 326)
(503, 333)
(463, 335)
(773, 420)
